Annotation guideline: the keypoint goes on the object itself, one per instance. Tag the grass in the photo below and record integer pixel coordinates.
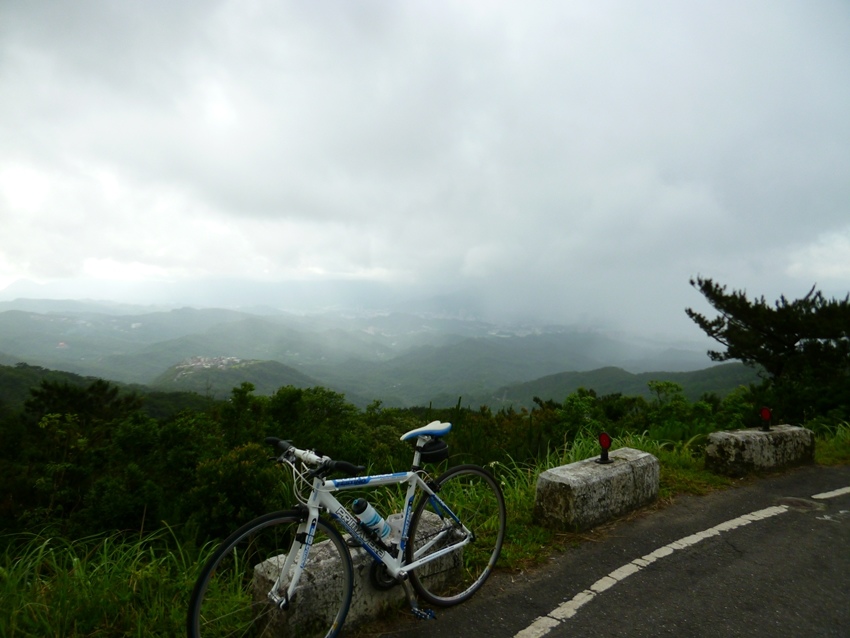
(832, 446)
(97, 586)
(112, 585)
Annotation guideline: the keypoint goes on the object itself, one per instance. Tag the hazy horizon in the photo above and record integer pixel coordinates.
(361, 300)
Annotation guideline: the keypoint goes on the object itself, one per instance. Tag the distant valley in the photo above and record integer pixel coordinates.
(399, 359)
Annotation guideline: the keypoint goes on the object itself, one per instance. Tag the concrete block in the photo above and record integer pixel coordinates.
(581, 495)
(740, 452)
(366, 602)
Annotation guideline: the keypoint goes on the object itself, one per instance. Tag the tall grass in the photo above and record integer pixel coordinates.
(97, 586)
(832, 446)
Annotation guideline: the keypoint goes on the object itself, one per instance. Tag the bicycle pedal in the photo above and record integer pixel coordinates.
(424, 614)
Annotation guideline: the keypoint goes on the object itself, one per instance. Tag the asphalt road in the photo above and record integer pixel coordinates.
(763, 559)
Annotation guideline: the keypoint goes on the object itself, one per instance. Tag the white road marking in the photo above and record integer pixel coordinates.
(544, 624)
(833, 493)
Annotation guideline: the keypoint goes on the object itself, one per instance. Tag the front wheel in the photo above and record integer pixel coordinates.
(230, 597)
(475, 498)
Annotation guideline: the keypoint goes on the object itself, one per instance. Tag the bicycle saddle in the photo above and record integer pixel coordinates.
(434, 428)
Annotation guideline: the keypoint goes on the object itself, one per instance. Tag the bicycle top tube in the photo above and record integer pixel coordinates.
(434, 428)
(374, 479)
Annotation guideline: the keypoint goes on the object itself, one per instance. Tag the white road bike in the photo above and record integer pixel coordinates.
(291, 573)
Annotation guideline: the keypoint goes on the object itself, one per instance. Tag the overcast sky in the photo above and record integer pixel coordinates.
(572, 161)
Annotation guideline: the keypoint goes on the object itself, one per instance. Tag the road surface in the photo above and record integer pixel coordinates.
(769, 558)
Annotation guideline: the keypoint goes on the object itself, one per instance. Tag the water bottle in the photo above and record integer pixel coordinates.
(370, 518)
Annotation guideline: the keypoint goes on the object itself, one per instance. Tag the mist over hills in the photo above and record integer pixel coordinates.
(401, 359)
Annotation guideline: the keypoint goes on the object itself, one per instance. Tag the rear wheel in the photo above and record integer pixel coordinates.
(476, 499)
(230, 596)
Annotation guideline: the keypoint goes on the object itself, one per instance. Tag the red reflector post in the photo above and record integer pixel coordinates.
(605, 444)
(766, 416)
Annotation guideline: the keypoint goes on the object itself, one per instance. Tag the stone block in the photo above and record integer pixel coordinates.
(581, 495)
(367, 602)
(741, 452)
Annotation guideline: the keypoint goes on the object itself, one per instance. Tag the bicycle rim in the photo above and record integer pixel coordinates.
(476, 498)
(230, 596)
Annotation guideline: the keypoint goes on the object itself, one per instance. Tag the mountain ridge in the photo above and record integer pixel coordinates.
(719, 379)
(401, 359)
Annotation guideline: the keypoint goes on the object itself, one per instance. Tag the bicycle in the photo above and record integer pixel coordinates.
(291, 572)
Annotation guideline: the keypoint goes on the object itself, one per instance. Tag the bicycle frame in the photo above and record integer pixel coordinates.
(436, 553)
(322, 498)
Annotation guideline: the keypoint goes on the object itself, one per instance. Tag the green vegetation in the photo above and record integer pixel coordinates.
(833, 445)
(104, 585)
(112, 497)
(129, 585)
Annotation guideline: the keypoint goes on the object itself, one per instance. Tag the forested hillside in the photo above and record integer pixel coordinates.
(200, 379)
(719, 379)
(400, 359)
(18, 381)
(83, 455)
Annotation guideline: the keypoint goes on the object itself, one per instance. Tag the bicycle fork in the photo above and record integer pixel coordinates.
(297, 555)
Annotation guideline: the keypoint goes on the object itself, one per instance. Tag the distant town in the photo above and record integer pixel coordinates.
(195, 364)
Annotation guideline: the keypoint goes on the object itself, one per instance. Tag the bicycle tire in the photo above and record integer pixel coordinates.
(475, 497)
(225, 601)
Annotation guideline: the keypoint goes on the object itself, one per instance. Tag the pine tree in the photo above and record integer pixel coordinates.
(802, 345)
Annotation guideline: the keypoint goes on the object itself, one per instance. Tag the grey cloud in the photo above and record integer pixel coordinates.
(547, 156)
